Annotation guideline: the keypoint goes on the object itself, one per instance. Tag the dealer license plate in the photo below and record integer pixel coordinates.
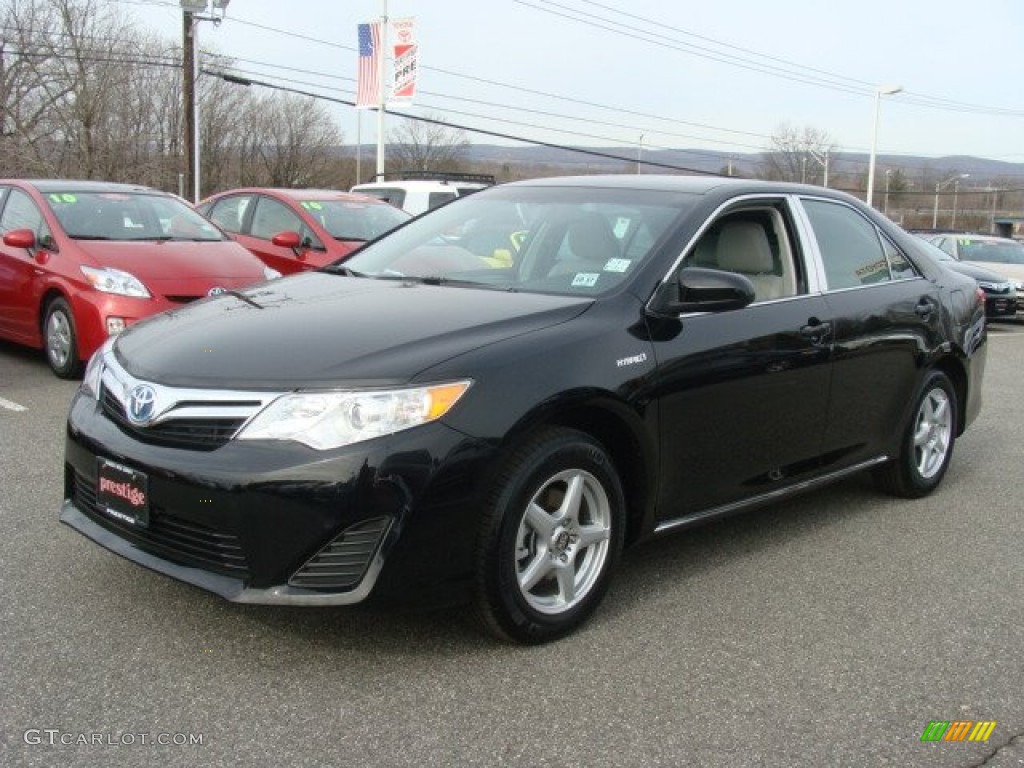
(122, 493)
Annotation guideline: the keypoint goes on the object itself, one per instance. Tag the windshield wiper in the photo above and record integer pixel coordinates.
(240, 296)
(89, 237)
(344, 271)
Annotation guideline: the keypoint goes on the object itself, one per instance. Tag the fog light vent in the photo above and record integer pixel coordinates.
(342, 563)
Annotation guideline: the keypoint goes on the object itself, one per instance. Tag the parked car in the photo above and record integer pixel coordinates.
(1000, 254)
(82, 260)
(658, 352)
(1000, 292)
(421, 192)
(293, 230)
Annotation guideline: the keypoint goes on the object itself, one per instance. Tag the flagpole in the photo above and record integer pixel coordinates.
(380, 76)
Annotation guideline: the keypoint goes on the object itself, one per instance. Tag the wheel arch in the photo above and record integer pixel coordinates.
(620, 430)
(957, 374)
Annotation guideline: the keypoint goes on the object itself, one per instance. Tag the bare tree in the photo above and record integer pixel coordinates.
(292, 140)
(416, 145)
(796, 155)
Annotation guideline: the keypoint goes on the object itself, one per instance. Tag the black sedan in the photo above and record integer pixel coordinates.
(433, 418)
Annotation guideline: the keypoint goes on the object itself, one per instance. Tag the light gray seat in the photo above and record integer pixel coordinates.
(591, 243)
(743, 248)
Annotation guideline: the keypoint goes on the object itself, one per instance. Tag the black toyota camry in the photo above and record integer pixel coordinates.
(490, 402)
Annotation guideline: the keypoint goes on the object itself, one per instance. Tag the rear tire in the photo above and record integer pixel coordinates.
(60, 340)
(927, 445)
(552, 533)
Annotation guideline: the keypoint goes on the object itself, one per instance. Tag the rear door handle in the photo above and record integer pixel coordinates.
(816, 331)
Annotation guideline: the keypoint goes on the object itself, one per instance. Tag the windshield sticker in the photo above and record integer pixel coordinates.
(62, 198)
(585, 280)
(312, 205)
(621, 227)
(617, 265)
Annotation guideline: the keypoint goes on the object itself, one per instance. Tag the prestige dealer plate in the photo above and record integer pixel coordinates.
(122, 492)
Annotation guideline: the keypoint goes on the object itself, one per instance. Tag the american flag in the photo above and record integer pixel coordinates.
(368, 84)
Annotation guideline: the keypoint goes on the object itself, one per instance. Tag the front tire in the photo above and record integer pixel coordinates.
(552, 534)
(60, 340)
(927, 445)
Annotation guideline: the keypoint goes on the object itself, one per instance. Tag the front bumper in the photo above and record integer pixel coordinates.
(277, 522)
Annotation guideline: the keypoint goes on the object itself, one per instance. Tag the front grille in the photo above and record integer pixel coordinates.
(181, 541)
(195, 434)
(183, 299)
(342, 563)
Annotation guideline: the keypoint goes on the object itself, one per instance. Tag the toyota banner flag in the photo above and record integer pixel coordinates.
(405, 51)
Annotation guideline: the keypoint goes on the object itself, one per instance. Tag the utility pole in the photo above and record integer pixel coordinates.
(188, 92)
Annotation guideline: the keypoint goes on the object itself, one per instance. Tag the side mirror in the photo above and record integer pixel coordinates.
(20, 238)
(698, 289)
(287, 240)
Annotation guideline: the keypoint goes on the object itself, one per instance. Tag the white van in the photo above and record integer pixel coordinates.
(417, 195)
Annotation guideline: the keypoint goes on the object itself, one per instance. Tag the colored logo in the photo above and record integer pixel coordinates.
(141, 403)
(958, 730)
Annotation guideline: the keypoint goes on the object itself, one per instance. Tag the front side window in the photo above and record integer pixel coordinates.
(272, 217)
(850, 246)
(755, 242)
(21, 213)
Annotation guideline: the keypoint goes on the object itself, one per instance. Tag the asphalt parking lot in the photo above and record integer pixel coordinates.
(829, 631)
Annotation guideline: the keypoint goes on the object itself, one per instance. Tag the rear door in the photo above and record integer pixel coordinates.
(886, 319)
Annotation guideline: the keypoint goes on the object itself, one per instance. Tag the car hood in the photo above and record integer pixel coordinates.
(320, 330)
(167, 265)
(975, 271)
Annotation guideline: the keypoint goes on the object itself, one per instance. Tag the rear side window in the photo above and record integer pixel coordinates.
(229, 213)
(852, 250)
(439, 198)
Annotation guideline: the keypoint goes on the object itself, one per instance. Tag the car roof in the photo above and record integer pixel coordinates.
(80, 185)
(303, 194)
(692, 184)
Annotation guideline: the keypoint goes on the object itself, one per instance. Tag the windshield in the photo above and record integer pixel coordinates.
(563, 240)
(128, 216)
(352, 219)
(998, 251)
(936, 253)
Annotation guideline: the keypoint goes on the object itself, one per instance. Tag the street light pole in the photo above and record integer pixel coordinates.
(938, 188)
(885, 90)
(885, 206)
(639, 153)
(956, 189)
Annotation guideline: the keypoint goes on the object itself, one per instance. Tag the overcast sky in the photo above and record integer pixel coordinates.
(721, 78)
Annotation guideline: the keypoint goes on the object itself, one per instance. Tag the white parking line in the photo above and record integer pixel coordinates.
(11, 405)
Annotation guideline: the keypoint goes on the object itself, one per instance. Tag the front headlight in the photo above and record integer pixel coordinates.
(325, 420)
(270, 274)
(109, 280)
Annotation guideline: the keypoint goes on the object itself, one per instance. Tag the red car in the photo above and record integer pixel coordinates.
(82, 260)
(298, 229)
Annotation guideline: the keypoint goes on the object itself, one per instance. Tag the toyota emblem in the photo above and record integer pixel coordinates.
(217, 290)
(141, 404)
